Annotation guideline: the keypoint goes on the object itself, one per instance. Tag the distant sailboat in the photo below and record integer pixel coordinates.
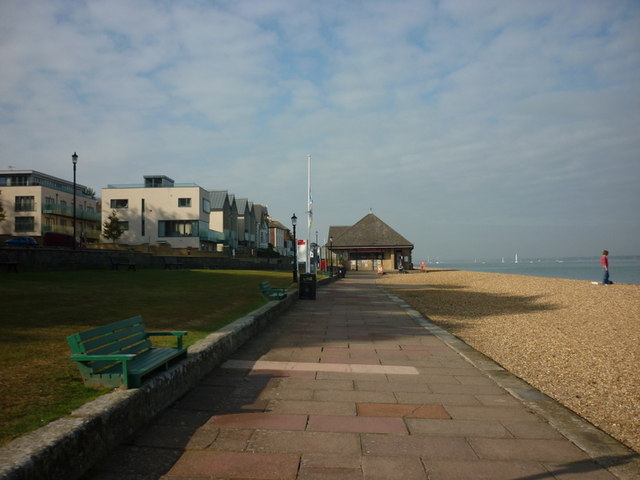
(516, 258)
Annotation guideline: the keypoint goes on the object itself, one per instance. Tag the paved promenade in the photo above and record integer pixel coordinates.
(349, 386)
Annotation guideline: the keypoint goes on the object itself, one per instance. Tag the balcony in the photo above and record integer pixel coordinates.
(67, 211)
(212, 236)
(68, 230)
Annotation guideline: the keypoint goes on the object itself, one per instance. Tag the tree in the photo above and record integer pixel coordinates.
(111, 228)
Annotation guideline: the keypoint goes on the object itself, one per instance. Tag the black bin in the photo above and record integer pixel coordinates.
(307, 286)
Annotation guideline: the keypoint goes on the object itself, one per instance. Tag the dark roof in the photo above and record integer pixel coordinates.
(218, 197)
(370, 231)
(242, 204)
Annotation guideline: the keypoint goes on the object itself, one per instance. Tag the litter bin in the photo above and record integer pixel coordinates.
(307, 286)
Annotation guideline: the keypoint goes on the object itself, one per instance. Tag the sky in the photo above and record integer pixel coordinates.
(476, 129)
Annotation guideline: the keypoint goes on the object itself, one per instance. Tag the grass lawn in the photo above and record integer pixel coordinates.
(40, 309)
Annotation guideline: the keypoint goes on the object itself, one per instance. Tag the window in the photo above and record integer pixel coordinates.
(206, 205)
(25, 224)
(124, 226)
(19, 180)
(178, 228)
(25, 204)
(184, 202)
(119, 203)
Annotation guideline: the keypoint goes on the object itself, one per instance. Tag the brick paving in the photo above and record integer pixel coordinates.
(348, 386)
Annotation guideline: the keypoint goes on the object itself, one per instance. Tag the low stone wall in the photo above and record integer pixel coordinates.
(51, 258)
(67, 448)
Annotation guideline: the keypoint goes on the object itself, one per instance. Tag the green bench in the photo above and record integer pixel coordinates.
(120, 354)
(274, 293)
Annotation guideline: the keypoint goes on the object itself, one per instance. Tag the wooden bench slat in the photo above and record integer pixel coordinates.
(126, 323)
(146, 362)
(135, 349)
(121, 337)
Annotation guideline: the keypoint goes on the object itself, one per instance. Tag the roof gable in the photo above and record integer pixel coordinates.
(218, 199)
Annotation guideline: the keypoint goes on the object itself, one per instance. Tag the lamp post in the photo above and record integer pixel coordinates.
(74, 159)
(294, 221)
(331, 256)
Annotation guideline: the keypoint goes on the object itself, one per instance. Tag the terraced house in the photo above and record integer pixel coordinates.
(35, 203)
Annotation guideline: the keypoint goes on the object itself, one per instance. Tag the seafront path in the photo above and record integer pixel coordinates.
(356, 385)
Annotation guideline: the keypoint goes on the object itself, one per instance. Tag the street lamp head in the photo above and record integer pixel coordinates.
(294, 220)
(74, 158)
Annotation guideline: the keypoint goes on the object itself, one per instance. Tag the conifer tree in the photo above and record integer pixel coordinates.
(111, 228)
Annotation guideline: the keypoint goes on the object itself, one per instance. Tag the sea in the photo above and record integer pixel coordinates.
(624, 269)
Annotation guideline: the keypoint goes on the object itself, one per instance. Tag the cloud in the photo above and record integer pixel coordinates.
(460, 113)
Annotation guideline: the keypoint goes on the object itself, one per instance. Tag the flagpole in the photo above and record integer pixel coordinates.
(309, 218)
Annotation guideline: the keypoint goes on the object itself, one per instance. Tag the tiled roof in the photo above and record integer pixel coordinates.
(277, 224)
(370, 231)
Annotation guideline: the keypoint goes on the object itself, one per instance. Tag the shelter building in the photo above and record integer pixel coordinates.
(368, 243)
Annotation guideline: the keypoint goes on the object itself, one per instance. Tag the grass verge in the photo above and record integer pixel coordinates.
(40, 309)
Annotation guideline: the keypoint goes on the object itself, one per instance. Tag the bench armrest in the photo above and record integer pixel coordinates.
(178, 334)
(120, 357)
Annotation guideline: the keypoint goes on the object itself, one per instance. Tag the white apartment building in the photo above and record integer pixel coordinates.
(35, 203)
(161, 210)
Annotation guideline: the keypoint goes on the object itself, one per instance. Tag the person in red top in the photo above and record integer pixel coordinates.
(604, 261)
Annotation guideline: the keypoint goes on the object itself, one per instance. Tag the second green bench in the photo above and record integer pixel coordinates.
(274, 293)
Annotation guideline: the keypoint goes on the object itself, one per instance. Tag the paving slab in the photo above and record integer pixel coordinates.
(356, 385)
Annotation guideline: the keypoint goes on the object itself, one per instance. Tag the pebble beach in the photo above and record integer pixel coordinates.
(574, 341)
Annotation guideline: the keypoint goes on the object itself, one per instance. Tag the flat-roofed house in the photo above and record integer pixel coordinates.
(367, 244)
(35, 203)
(162, 210)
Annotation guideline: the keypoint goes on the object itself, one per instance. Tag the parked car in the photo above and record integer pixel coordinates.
(22, 241)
